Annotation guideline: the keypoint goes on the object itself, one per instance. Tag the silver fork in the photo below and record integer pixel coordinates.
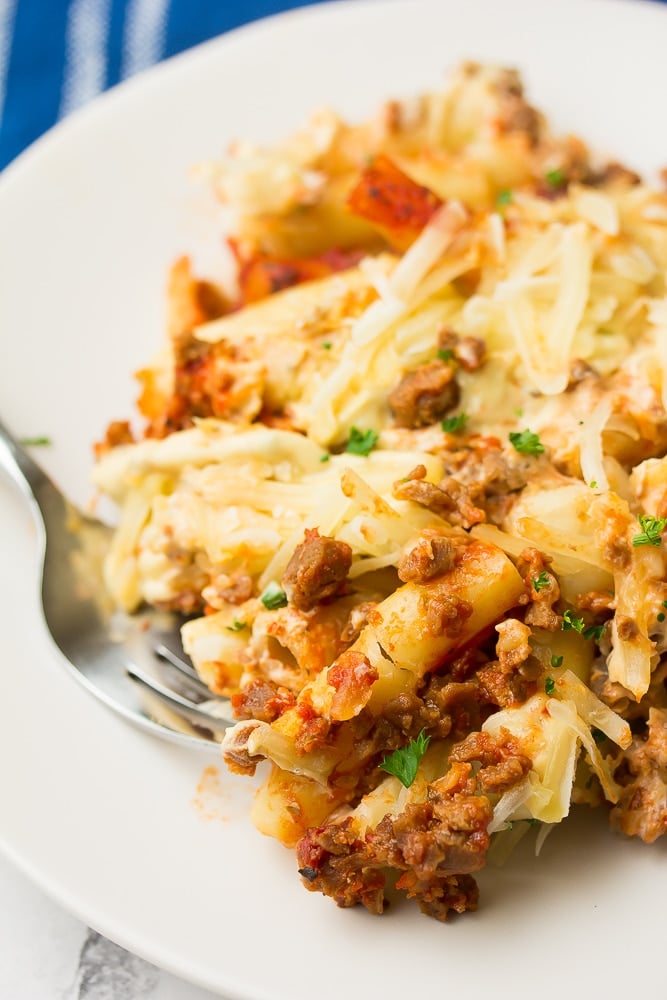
(134, 664)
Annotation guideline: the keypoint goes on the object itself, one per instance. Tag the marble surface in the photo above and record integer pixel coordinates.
(46, 954)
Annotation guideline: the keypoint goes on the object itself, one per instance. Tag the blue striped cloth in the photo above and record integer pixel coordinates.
(55, 55)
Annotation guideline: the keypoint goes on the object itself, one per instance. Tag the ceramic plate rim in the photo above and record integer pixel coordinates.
(21, 184)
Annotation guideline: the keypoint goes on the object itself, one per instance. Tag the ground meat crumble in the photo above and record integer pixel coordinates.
(424, 395)
(434, 846)
(317, 570)
(642, 808)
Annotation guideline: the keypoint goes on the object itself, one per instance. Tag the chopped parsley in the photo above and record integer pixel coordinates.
(526, 443)
(456, 424)
(549, 685)
(504, 198)
(236, 626)
(273, 597)
(35, 442)
(593, 484)
(576, 623)
(325, 457)
(555, 178)
(572, 621)
(403, 763)
(556, 661)
(326, 344)
(361, 442)
(445, 354)
(541, 581)
(661, 616)
(652, 528)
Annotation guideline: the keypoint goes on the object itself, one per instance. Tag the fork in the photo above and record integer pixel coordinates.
(135, 664)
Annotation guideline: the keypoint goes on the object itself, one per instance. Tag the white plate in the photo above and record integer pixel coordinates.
(103, 817)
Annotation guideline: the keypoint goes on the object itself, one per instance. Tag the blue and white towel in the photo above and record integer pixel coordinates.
(55, 55)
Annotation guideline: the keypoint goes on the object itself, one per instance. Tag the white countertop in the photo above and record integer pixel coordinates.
(47, 954)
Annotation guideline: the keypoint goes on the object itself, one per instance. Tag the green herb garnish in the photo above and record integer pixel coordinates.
(652, 528)
(556, 661)
(325, 457)
(661, 616)
(549, 685)
(455, 425)
(35, 442)
(236, 626)
(503, 198)
(555, 178)
(403, 763)
(541, 581)
(576, 623)
(572, 621)
(326, 344)
(273, 597)
(361, 442)
(445, 354)
(526, 443)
